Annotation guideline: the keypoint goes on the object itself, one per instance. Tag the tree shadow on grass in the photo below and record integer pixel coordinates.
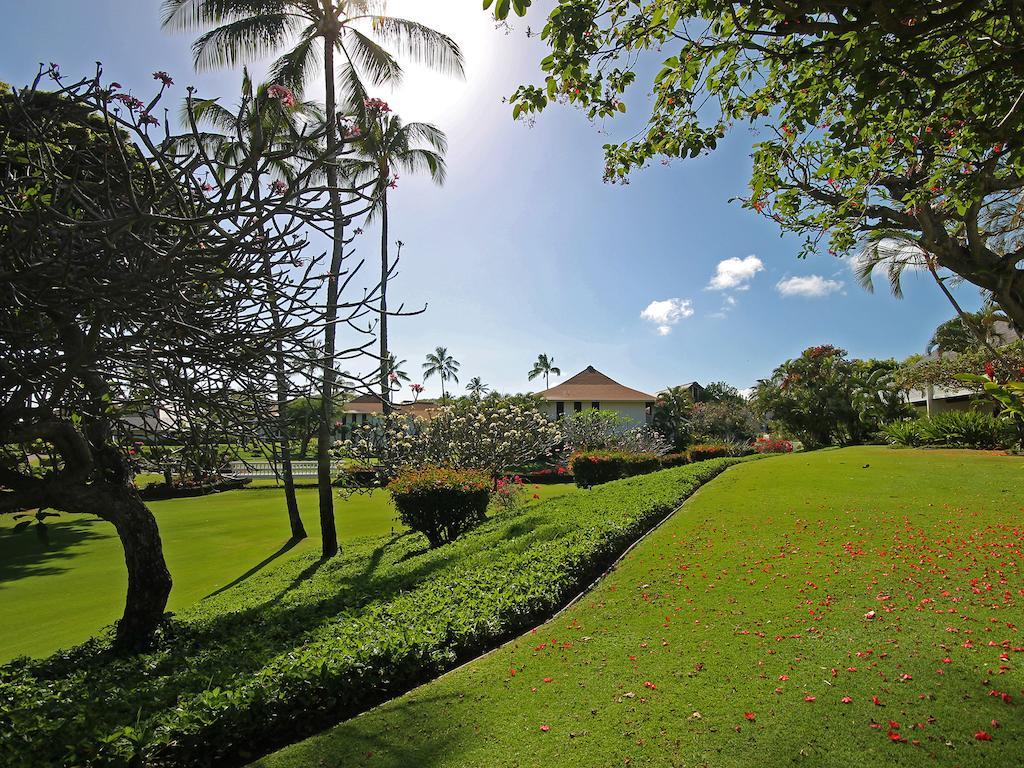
(286, 547)
(24, 553)
(353, 743)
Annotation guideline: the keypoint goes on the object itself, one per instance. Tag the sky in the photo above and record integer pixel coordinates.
(525, 250)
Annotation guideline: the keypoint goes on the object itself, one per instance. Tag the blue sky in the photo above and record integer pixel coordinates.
(525, 250)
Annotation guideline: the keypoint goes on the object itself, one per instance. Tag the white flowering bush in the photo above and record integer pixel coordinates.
(607, 430)
(493, 436)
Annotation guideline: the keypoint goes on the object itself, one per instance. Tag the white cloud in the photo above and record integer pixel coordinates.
(813, 286)
(735, 273)
(666, 313)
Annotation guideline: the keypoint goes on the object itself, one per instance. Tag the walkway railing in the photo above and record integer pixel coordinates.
(261, 469)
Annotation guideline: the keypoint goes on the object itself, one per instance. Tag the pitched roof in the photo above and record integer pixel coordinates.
(590, 384)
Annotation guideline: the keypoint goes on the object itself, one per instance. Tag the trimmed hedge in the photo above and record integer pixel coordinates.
(302, 645)
(705, 451)
(591, 468)
(675, 460)
(440, 503)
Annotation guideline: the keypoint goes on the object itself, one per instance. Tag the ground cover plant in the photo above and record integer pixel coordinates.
(59, 593)
(854, 607)
(301, 645)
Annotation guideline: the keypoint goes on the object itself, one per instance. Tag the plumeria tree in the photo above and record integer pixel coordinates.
(896, 122)
(346, 42)
(134, 267)
(471, 434)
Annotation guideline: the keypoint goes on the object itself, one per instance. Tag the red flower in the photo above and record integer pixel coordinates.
(284, 95)
(545, 728)
(990, 370)
(876, 701)
(810, 698)
(650, 685)
(750, 715)
(983, 736)
(846, 700)
(164, 78)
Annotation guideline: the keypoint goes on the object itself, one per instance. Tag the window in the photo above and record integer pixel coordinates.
(595, 405)
(577, 406)
(559, 410)
(364, 418)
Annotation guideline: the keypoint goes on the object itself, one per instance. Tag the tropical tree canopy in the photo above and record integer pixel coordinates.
(897, 122)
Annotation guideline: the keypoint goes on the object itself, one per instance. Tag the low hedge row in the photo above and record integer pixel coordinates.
(591, 468)
(302, 645)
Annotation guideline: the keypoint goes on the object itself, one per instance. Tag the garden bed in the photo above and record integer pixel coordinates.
(309, 643)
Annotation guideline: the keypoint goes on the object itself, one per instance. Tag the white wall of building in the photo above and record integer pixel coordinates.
(634, 411)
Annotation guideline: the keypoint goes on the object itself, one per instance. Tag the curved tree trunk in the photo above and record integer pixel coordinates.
(324, 475)
(149, 581)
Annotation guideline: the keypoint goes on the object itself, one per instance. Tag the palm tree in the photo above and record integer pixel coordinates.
(545, 366)
(395, 373)
(477, 388)
(354, 32)
(268, 127)
(444, 366)
(388, 145)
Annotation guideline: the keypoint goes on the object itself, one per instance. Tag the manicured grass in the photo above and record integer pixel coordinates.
(57, 595)
(733, 635)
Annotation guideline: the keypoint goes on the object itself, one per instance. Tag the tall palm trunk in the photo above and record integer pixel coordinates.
(324, 475)
(385, 383)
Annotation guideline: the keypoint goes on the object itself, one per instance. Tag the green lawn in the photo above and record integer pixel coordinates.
(855, 607)
(57, 595)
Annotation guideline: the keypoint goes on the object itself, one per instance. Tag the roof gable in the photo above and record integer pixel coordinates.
(591, 384)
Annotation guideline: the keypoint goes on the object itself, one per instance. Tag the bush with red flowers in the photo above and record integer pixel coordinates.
(675, 459)
(440, 503)
(595, 467)
(773, 445)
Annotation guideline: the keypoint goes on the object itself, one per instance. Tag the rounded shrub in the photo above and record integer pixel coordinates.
(773, 445)
(905, 433)
(440, 503)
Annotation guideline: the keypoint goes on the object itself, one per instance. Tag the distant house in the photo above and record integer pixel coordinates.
(365, 408)
(933, 400)
(697, 392)
(591, 389)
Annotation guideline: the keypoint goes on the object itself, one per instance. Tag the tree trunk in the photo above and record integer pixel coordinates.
(325, 491)
(149, 581)
(385, 383)
(291, 502)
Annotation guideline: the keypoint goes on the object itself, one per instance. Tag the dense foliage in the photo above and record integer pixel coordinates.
(440, 503)
(706, 451)
(724, 421)
(952, 429)
(896, 122)
(299, 646)
(607, 430)
(772, 445)
(591, 468)
(945, 371)
(823, 398)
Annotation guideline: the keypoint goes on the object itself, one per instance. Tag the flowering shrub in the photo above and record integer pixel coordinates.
(492, 436)
(596, 467)
(442, 504)
(607, 430)
(507, 494)
(705, 451)
(772, 445)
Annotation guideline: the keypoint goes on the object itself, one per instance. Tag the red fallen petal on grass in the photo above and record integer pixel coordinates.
(947, 660)
(783, 677)
(894, 725)
(650, 685)
(894, 736)
(545, 728)
(548, 679)
(750, 715)
(810, 698)
(846, 700)
(876, 701)
(983, 736)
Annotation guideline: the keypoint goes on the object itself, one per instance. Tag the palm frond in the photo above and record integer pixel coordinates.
(186, 15)
(298, 66)
(372, 61)
(243, 40)
(419, 43)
